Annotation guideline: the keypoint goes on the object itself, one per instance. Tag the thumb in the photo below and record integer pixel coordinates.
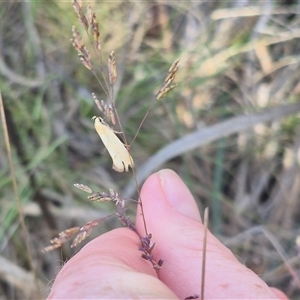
(173, 219)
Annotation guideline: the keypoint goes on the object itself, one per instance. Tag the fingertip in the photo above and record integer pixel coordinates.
(163, 193)
(178, 194)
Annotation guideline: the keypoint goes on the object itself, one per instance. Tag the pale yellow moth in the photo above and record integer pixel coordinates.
(122, 160)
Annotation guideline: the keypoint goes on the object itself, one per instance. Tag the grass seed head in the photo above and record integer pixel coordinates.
(77, 41)
(96, 32)
(165, 91)
(100, 197)
(111, 114)
(112, 70)
(167, 86)
(103, 197)
(77, 5)
(83, 187)
(63, 237)
(107, 109)
(89, 14)
(174, 67)
(85, 231)
(98, 103)
(86, 60)
(83, 52)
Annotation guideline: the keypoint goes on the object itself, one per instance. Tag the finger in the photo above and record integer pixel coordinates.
(172, 217)
(109, 267)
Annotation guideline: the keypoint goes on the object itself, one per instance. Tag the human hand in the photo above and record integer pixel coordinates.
(111, 267)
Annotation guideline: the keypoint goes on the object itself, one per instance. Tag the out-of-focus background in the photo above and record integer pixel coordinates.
(230, 129)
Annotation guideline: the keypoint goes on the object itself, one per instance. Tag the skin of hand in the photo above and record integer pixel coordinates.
(111, 267)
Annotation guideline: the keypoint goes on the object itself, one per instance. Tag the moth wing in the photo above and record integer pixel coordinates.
(122, 160)
(116, 149)
(119, 154)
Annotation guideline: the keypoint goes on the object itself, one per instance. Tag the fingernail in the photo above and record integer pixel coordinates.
(178, 195)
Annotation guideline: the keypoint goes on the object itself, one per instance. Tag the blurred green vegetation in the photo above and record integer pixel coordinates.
(236, 58)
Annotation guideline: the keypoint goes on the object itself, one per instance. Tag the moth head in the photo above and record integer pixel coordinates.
(94, 118)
